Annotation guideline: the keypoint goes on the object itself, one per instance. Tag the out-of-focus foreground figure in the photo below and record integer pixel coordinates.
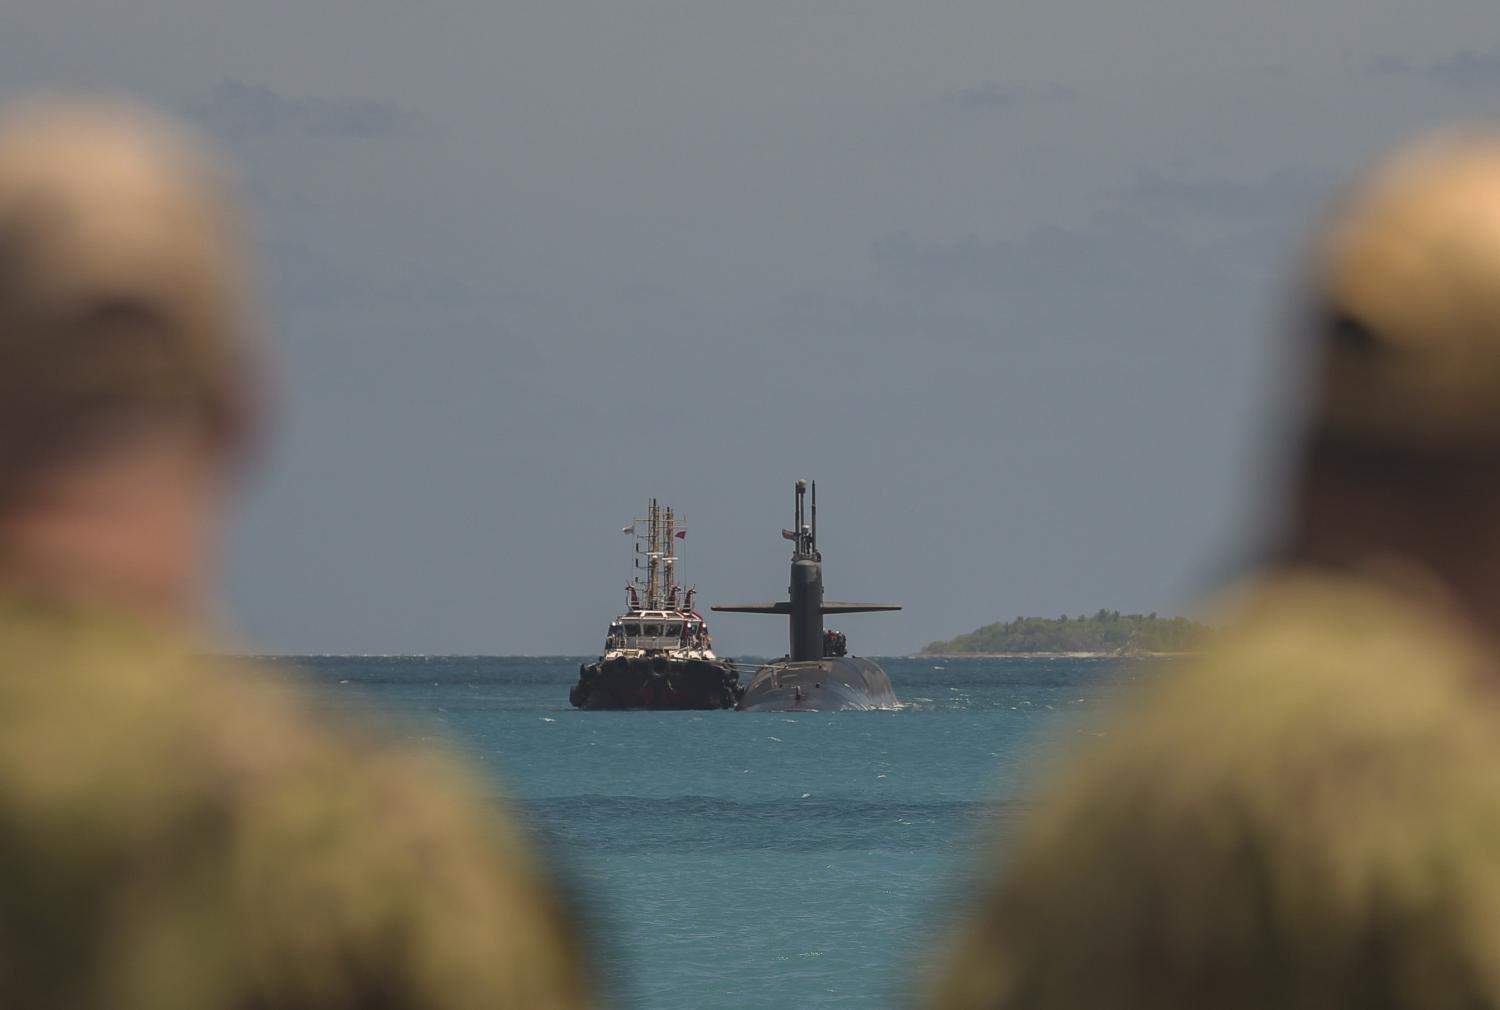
(175, 832)
(1309, 816)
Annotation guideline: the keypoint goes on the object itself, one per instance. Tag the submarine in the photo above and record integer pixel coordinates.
(817, 674)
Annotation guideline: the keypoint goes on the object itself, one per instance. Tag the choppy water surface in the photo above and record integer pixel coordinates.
(739, 860)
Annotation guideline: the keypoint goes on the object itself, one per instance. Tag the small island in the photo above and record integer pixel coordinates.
(1106, 633)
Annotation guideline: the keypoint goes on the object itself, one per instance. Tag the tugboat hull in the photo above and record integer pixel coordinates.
(819, 685)
(657, 682)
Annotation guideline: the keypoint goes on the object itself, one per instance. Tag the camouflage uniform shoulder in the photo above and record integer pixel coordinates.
(1320, 658)
(1304, 817)
(247, 853)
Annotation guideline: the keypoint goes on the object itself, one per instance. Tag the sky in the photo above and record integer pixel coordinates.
(1013, 281)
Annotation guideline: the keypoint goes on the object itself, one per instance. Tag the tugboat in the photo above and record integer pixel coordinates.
(658, 654)
(816, 674)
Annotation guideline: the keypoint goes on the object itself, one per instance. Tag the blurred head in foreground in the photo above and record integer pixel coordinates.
(1307, 815)
(1402, 452)
(175, 830)
(125, 386)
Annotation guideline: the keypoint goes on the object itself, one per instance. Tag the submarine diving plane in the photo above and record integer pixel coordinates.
(817, 674)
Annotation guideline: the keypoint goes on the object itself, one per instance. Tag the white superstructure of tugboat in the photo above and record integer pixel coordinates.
(658, 654)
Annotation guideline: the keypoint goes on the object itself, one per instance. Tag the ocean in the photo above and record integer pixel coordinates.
(751, 860)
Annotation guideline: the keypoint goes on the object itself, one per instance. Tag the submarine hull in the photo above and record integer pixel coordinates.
(830, 684)
(658, 682)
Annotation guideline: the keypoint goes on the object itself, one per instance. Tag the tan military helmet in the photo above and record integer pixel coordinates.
(120, 277)
(1409, 275)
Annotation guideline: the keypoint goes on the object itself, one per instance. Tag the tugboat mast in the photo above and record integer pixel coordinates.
(656, 535)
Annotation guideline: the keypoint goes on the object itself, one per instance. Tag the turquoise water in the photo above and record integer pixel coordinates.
(738, 860)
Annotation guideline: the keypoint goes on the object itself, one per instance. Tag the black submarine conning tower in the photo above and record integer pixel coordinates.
(805, 605)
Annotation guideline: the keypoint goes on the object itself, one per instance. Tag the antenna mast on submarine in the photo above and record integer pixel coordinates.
(815, 519)
(805, 535)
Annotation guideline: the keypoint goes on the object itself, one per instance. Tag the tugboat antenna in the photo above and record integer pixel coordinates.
(653, 554)
(669, 558)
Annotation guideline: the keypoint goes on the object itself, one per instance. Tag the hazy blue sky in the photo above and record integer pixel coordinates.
(1006, 278)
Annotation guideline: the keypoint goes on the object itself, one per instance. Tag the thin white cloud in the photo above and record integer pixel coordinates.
(993, 96)
(240, 110)
(1464, 70)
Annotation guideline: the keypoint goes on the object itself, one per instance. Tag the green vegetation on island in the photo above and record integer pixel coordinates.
(1107, 631)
